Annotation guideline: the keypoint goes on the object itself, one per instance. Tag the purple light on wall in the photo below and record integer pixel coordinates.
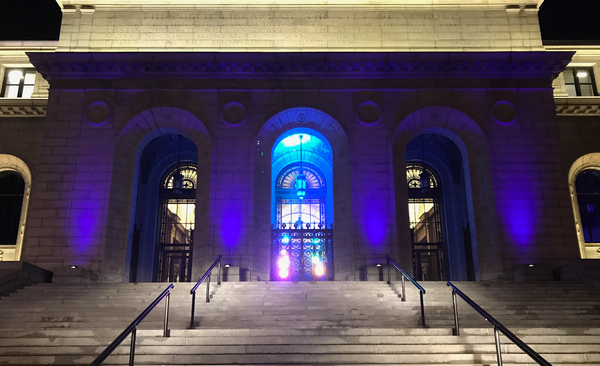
(373, 220)
(518, 208)
(230, 223)
(85, 222)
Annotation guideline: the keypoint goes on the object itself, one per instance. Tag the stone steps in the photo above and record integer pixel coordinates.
(325, 323)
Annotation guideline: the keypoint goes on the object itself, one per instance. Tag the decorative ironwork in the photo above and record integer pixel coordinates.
(190, 177)
(425, 224)
(303, 241)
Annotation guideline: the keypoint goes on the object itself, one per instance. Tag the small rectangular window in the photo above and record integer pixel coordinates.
(18, 83)
(579, 82)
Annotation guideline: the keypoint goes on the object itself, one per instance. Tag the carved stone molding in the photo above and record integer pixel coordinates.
(578, 110)
(22, 111)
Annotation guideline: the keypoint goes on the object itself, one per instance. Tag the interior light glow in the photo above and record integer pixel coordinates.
(531, 265)
(285, 239)
(15, 76)
(294, 140)
(316, 241)
(283, 262)
(284, 273)
(316, 259)
(378, 265)
(319, 270)
(582, 74)
(73, 266)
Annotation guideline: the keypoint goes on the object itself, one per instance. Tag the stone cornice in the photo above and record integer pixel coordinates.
(23, 108)
(398, 65)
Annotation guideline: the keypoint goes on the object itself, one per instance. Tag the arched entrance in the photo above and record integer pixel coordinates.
(426, 229)
(302, 237)
(439, 220)
(165, 220)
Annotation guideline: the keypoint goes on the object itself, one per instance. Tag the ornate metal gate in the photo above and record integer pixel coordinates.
(304, 249)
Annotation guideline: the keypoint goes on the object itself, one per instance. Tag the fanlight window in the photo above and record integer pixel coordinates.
(190, 177)
(287, 178)
(413, 176)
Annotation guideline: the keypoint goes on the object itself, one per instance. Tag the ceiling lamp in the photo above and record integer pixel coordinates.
(301, 178)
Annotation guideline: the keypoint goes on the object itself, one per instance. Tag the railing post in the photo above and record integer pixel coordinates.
(132, 346)
(193, 308)
(455, 312)
(422, 308)
(498, 350)
(166, 332)
(389, 272)
(403, 287)
(219, 274)
(208, 288)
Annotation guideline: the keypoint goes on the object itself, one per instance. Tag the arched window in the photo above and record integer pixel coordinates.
(587, 186)
(290, 208)
(176, 224)
(12, 189)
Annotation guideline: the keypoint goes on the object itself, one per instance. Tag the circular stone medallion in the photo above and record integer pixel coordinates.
(368, 114)
(504, 113)
(234, 114)
(97, 114)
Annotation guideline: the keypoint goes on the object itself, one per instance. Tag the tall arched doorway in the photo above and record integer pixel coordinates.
(426, 229)
(177, 210)
(165, 211)
(302, 235)
(439, 222)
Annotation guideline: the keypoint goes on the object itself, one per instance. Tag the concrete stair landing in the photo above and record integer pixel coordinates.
(324, 323)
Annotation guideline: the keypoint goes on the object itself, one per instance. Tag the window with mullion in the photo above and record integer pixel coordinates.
(18, 83)
(579, 82)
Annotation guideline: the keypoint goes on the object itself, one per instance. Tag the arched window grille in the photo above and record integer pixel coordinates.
(587, 185)
(425, 215)
(12, 189)
(290, 208)
(177, 225)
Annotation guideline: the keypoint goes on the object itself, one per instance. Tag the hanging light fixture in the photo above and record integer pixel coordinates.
(301, 178)
(178, 177)
(425, 177)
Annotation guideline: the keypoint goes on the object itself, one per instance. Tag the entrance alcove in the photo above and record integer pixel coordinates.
(442, 246)
(156, 211)
(455, 149)
(332, 169)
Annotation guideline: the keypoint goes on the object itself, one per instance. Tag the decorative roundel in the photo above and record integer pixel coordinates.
(98, 114)
(234, 114)
(301, 117)
(504, 113)
(369, 114)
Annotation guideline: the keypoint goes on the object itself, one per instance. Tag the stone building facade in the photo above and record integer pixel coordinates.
(446, 136)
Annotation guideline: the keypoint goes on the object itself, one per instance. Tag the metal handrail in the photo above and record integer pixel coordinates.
(206, 275)
(406, 275)
(498, 327)
(132, 329)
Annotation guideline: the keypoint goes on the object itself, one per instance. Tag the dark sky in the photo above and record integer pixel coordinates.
(559, 19)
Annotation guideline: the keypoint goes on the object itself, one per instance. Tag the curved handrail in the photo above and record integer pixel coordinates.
(497, 326)
(132, 328)
(393, 262)
(206, 275)
(406, 275)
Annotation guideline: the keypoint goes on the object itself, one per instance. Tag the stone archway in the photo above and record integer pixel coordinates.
(129, 143)
(13, 163)
(265, 139)
(470, 140)
(588, 161)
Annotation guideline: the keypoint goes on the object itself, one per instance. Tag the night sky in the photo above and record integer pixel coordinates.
(560, 20)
